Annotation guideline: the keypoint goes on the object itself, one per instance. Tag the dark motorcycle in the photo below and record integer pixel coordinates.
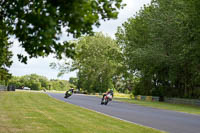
(106, 98)
(68, 94)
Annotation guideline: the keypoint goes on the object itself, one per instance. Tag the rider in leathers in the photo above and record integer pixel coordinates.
(109, 92)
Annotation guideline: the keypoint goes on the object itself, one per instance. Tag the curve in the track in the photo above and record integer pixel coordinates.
(170, 121)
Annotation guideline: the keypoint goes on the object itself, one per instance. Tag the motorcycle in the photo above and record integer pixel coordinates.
(68, 94)
(106, 98)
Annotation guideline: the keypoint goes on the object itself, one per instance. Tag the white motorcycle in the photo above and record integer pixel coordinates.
(106, 98)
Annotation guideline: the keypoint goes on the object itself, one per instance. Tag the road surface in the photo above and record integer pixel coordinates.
(170, 121)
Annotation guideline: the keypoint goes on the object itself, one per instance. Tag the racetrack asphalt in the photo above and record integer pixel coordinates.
(169, 121)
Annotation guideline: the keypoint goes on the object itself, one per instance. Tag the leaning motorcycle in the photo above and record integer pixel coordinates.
(68, 94)
(106, 98)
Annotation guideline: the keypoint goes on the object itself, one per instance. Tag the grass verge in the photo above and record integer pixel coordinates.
(54, 91)
(161, 105)
(26, 112)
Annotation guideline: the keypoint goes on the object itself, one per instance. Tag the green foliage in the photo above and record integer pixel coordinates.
(5, 55)
(60, 85)
(161, 47)
(38, 24)
(36, 82)
(73, 81)
(34, 85)
(97, 61)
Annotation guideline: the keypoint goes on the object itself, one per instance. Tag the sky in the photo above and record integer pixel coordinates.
(40, 65)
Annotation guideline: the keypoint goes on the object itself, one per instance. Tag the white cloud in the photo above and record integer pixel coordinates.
(41, 65)
(132, 6)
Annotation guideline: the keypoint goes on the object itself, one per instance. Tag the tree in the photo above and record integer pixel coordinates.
(15, 81)
(38, 24)
(5, 55)
(97, 61)
(60, 85)
(73, 80)
(160, 44)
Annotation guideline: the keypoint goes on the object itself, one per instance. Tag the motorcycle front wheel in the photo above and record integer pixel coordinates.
(106, 102)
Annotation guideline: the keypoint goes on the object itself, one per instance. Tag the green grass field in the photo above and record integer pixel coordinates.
(161, 105)
(28, 112)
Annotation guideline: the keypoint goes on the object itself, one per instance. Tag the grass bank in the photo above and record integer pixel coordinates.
(54, 91)
(192, 109)
(27, 112)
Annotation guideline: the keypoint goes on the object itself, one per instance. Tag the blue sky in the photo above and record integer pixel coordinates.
(40, 65)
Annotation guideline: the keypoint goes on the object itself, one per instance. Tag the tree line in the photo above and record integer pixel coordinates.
(37, 82)
(161, 44)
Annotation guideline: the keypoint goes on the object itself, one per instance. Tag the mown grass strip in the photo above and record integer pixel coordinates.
(162, 105)
(26, 112)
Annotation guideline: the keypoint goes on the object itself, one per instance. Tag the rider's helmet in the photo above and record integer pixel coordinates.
(111, 90)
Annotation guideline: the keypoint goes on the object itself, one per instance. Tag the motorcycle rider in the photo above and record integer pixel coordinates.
(69, 92)
(109, 92)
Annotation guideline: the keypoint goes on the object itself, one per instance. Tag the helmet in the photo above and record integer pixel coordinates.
(111, 90)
